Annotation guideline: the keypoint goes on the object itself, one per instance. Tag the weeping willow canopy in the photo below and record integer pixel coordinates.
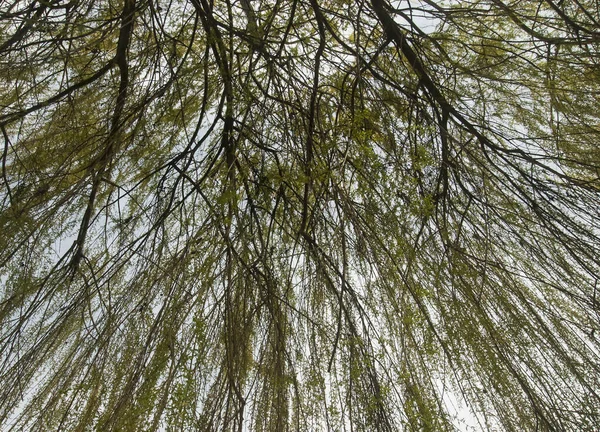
(299, 215)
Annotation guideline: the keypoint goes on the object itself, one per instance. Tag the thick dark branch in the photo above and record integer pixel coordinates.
(11, 117)
(25, 27)
(109, 152)
(312, 112)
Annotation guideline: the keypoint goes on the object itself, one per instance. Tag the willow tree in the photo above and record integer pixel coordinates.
(300, 215)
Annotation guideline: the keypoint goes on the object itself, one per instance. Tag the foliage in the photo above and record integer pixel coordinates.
(299, 215)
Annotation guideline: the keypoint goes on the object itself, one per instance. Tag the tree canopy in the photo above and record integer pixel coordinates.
(300, 215)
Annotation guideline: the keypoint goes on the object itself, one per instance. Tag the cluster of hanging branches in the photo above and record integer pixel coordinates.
(299, 215)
